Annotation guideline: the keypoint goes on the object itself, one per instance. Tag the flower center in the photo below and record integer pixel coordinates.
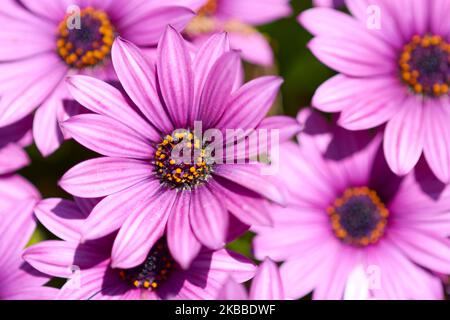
(85, 40)
(358, 217)
(181, 161)
(154, 271)
(208, 9)
(425, 65)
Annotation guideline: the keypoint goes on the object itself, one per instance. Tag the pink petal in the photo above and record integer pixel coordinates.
(218, 88)
(59, 258)
(208, 53)
(104, 99)
(175, 76)
(351, 58)
(104, 176)
(17, 220)
(108, 137)
(34, 89)
(404, 137)
(31, 293)
(249, 105)
(246, 205)
(262, 12)
(437, 139)
(92, 284)
(139, 31)
(233, 291)
(46, 131)
(426, 248)
(49, 9)
(34, 37)
(182, 242)
(12, 157)
(288, 127)
(266, 284)
(110, 213)
(333, 282)
(142, 229)
(208, 218)
(254, 47)
(137, 77)
(226, 262)
(250, 176)
(62, 217)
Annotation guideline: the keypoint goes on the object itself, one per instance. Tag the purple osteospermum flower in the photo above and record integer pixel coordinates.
(239, 19)
(393, 57)
(88, 265)
(145, 187)
(43, 44)
(348, 212)
(13, 139)
(17, 279)
(266, 285)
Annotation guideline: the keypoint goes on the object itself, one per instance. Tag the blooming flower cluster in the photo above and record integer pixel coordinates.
(191, 157)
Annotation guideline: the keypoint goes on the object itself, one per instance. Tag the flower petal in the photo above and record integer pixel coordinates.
(208, 53)
(183, 244)
(12, 158)
(61, 217)
(142, 229)
(437, 140)
(137, 77)
(46, 131)
(266, 284)
(351, 58)
(249, 105)
(34, 89)
(16, 227)
(175, 76)
(208, 218)
(107, 136)
(217, 89)
(111, 212)
(102, 98)
(425, 248)
(246, 205)
(404, 137)
(251, 176)
(139, 31)
(62, 258)
(104, 176)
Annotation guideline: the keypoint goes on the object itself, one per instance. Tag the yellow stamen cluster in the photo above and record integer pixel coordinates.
(343, 234)
(186, 171)
(410, 74)
(74, 50)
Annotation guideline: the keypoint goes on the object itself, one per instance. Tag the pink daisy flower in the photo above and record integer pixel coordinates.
(18, 280)
(393, 59)
(92, 276)
(353, 228)
(146, 189)
(239, 19)
(43, 44)
(266, 285)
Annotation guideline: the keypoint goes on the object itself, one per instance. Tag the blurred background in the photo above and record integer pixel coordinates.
(302, 73)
